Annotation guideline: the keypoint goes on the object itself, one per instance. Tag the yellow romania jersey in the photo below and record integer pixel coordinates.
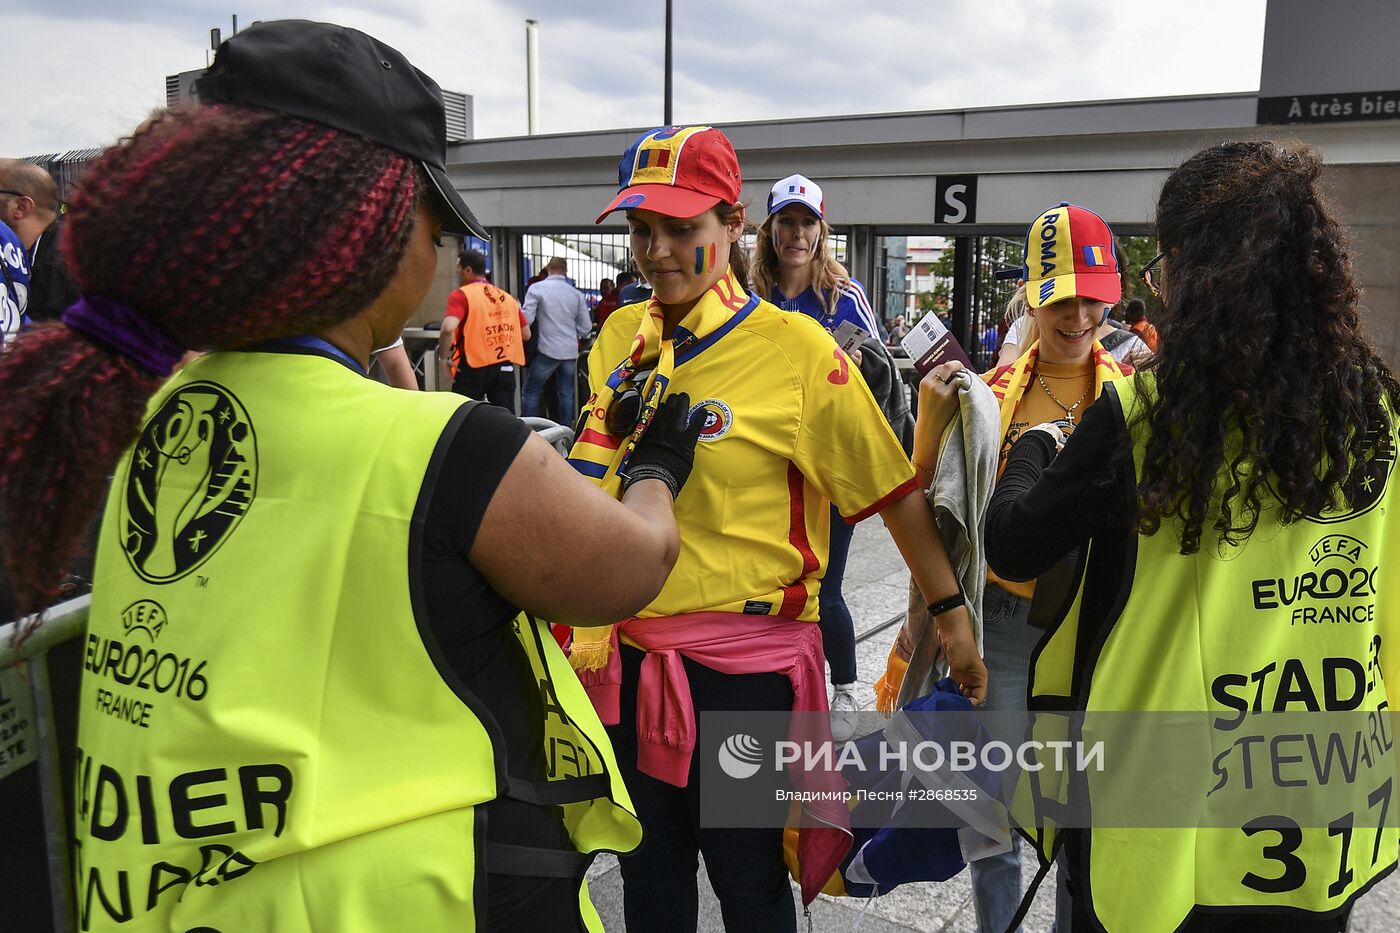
(790, 426)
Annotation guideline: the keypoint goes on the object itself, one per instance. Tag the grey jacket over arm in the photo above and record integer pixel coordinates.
(959, 496)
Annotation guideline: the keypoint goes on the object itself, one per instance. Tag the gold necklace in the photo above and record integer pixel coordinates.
(1069, 409)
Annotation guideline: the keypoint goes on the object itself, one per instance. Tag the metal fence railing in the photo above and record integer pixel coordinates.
(990, 295)
(592, 257)
(38, 742)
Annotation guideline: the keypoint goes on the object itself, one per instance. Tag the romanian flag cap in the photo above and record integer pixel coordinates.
(1069, 254)
(679, 171)
(797, 189)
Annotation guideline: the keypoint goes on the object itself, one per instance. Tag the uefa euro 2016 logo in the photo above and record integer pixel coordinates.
(193, 474)
(1380, 460)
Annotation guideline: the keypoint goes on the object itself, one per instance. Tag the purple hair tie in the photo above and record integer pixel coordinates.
(130, 333)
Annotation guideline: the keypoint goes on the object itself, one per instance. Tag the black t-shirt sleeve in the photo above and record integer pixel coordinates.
(472, 623)
(477, 458)
(1044, 506)
(473, 626)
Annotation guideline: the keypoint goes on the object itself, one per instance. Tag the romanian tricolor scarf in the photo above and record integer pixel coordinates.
(602, 456)
(1009, 383)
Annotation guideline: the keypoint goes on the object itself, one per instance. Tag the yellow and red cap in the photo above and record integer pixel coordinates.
(1069, 254)
(679, 171)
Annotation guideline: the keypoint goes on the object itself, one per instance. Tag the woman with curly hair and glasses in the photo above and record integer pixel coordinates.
(1240, 559)
(315, 696)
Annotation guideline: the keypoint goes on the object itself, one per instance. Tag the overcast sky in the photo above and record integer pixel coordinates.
(83, 72)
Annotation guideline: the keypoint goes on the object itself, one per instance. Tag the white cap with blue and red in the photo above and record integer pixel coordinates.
(797, 189)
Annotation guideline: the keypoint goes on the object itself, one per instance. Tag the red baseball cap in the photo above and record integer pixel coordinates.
(1069, 254)
(680, 171)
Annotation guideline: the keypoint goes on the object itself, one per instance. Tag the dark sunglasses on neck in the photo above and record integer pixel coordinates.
(627, 403)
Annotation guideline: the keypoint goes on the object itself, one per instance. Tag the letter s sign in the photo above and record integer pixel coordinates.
(955, 199)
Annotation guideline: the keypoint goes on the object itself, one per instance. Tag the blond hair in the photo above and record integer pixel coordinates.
(826, 271)
(1018, 308)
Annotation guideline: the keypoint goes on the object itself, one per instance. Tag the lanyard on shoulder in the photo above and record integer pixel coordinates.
(310, 342)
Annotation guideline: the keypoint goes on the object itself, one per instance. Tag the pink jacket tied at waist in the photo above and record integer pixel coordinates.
(731, 643)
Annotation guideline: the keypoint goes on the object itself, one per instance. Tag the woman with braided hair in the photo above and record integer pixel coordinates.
(1255, 456)
(315, 694)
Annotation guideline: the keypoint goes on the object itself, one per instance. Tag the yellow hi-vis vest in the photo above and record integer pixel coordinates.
(1299, 617)
(270, 738)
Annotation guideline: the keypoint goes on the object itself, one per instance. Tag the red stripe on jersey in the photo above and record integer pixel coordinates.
(883, 502)
(795, 595)
(879, 505)
(598, 438)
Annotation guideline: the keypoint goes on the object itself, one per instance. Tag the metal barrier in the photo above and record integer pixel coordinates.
(559, 436)
(30, 735)
(421, 343)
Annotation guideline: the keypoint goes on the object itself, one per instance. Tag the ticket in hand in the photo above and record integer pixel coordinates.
(929, 343)
(848, 336)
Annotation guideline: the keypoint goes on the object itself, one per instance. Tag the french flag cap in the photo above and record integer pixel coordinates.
(797, 189)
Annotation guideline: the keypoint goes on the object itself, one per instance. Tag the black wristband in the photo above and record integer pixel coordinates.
(947, 604)
(652, 471)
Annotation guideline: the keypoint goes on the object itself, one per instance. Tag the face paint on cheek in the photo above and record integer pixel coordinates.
(705, 259)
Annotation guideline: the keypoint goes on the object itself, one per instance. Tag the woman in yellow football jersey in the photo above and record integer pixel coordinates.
(788, 430)
(795, 270)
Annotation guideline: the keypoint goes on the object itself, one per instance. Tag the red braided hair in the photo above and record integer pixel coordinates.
(224, 225)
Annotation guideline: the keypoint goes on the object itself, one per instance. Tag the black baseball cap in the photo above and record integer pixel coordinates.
(344, 79)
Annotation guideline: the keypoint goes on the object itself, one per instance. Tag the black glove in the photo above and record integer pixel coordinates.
(667, 449)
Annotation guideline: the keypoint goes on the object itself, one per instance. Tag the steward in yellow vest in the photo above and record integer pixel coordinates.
(310, 698)
(1297, 617)
(272, 736)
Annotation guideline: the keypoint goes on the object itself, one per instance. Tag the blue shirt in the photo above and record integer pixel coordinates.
(15, 297)
(851, 305)
(632, 293)
(560, 316)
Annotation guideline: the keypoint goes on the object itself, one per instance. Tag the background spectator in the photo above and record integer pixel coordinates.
(559, 312)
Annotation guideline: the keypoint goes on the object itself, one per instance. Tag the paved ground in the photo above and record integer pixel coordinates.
(876, 587)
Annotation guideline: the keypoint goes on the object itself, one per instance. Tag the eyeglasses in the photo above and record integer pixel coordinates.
(60, 209)
(1152, 276)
